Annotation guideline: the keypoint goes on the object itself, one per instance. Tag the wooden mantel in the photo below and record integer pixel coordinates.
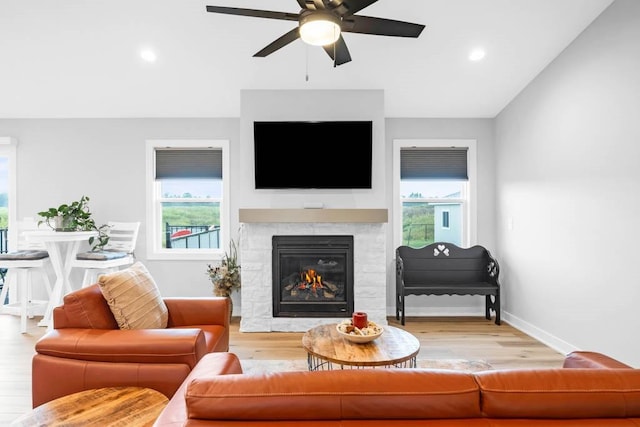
(313, 215)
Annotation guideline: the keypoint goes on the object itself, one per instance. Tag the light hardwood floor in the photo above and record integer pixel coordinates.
(473, 338)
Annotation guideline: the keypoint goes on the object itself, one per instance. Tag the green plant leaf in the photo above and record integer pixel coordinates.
(80, 219)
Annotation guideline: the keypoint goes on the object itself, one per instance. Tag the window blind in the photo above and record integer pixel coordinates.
(433, 163)
(189, 163)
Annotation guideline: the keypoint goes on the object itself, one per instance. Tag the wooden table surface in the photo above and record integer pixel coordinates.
(110, 406)
(394, 347)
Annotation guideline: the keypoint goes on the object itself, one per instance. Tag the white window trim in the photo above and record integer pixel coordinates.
(154, 248)
(9, 149)
(469, 215)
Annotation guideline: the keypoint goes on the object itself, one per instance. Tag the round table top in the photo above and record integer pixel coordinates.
(393, 347)
(109, 406)
(58, 236)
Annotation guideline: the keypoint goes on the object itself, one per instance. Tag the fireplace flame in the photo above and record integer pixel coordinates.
(308, 283)
(310, 280)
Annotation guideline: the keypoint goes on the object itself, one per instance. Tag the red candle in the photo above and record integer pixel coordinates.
(359, 320)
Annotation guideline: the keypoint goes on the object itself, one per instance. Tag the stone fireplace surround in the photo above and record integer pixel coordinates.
(368, 226)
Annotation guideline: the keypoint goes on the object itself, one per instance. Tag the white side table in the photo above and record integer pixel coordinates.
(62, 247)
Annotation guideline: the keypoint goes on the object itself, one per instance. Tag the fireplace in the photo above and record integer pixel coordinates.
(312, 276)
(259, 226)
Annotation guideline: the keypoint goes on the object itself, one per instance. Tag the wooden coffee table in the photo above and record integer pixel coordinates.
(325, 347)
(109, 406)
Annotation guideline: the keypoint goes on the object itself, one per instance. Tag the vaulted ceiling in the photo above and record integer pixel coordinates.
(78, 58)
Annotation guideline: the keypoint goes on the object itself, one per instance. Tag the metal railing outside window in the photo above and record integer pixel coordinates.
(192, 236)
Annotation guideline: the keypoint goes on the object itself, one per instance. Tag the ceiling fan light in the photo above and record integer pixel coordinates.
(319, 29)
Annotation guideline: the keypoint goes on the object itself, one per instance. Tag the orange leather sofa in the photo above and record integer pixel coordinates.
(590, 390)
(86, 349)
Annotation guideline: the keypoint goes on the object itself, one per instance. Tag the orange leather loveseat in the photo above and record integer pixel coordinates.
(591, 390)
(86, 349)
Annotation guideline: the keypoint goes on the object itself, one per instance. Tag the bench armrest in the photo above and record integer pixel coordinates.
(161, 346)
(399, 272)
(493, 270)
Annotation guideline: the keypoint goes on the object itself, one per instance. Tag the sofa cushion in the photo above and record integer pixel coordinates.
(134, 298)
(84, 308)
(560, 393)
(357, 394)
(150, 346)
(101, 255)
(27, 255)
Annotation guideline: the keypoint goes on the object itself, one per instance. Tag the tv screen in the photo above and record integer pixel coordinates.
(322, 155)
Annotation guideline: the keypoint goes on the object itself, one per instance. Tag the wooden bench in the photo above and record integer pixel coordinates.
(446, 269)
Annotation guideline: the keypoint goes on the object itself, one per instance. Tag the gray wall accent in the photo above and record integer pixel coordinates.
(482, 131)
(479, 129)
(59, 160)
(269, 105)
(567, 198)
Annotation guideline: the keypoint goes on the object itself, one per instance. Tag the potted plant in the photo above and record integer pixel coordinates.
(76, 216)
(226, 276)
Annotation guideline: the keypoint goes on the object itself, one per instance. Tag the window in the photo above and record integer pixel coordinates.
(7, 193)
(445, 219)
(434, 186)
(186, 207)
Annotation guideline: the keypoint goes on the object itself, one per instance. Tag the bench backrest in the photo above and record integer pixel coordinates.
(444, 263)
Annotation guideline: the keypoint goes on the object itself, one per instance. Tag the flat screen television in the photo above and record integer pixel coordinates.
(313, 155)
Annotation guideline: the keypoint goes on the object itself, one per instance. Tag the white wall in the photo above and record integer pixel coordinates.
(369, 105)
(59, 160)
(273, 105)
(312, 105)
(568, 205)
(480, 130)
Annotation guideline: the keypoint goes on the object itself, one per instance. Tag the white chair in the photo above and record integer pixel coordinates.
(119, 252)
(29, 257)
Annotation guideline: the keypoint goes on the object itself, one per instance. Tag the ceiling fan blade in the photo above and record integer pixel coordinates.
(279, 43)
(349, 7)
(254, 12)
(302, 3)
(381, 26)
(342, 54)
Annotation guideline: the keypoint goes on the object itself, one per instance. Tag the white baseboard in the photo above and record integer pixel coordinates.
(544, 337)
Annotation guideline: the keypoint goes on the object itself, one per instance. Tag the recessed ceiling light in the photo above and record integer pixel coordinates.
(148, 55)
(476, 55)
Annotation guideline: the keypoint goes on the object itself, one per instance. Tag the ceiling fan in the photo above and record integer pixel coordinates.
(322, 22)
